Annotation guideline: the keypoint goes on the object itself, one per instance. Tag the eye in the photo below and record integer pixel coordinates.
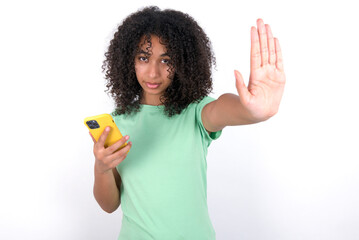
(166, 61)
(143, 59)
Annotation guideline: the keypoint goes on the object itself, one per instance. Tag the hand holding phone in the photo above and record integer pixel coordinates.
(110, 147)
(97, 125)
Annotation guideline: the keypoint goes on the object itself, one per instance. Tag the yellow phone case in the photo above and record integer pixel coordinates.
(97, 125)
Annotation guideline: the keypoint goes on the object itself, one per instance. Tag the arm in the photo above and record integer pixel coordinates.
(227, 110)
(260, 100)
(107, 180)
(106, 190)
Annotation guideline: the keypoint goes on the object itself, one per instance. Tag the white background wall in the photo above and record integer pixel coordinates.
(292, 177)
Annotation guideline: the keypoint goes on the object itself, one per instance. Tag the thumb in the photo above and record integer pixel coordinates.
(240, 85)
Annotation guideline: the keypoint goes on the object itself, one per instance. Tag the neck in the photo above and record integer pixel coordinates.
(151, 100)
(153, 103)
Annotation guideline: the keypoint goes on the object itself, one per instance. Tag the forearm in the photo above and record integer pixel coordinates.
(106, 191)
(232, 111)
(227, 110)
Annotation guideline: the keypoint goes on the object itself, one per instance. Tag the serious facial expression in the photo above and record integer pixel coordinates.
(152, 70)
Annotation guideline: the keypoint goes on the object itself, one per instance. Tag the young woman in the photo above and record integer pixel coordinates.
(158, 67)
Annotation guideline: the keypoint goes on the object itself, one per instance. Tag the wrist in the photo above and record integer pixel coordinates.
(102, 173)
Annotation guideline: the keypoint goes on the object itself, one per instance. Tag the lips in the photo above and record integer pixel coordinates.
(152, 85)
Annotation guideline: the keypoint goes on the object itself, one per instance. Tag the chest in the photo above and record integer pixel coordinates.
(165, 147)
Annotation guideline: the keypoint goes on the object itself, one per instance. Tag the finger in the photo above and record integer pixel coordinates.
(263, 41)
(241, 87)
(102, 139)
(120, 155)
(117, 161)
(113, 148)
(122, 151)
(271, 48)
(93, 139)
(255, 50)
(279, 55)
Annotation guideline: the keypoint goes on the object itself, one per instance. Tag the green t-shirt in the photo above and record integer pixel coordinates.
(164, 176)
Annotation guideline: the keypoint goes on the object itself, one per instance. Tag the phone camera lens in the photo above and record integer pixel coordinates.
(93, 124)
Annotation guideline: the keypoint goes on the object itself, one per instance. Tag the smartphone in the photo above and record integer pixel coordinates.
(97, 125)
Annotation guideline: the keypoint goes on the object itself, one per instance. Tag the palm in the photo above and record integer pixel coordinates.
(267, 79)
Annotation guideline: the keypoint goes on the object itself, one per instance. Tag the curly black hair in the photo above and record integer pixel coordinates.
(187, 45)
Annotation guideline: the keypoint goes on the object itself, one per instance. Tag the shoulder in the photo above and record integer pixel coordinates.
(200, 108)
(199, 104)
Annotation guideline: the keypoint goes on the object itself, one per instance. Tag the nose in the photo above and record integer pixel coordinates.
(153, 70)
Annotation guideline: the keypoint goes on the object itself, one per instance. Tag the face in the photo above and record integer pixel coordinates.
(152, 70)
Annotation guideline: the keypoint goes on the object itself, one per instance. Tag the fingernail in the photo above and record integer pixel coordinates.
(127, 137)
(107, 129)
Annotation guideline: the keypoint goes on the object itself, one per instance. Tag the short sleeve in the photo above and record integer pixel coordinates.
(199, 107)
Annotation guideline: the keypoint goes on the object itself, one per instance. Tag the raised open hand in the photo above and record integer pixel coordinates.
(267, 79)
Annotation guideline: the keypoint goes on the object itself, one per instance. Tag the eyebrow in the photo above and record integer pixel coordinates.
(146, 53)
